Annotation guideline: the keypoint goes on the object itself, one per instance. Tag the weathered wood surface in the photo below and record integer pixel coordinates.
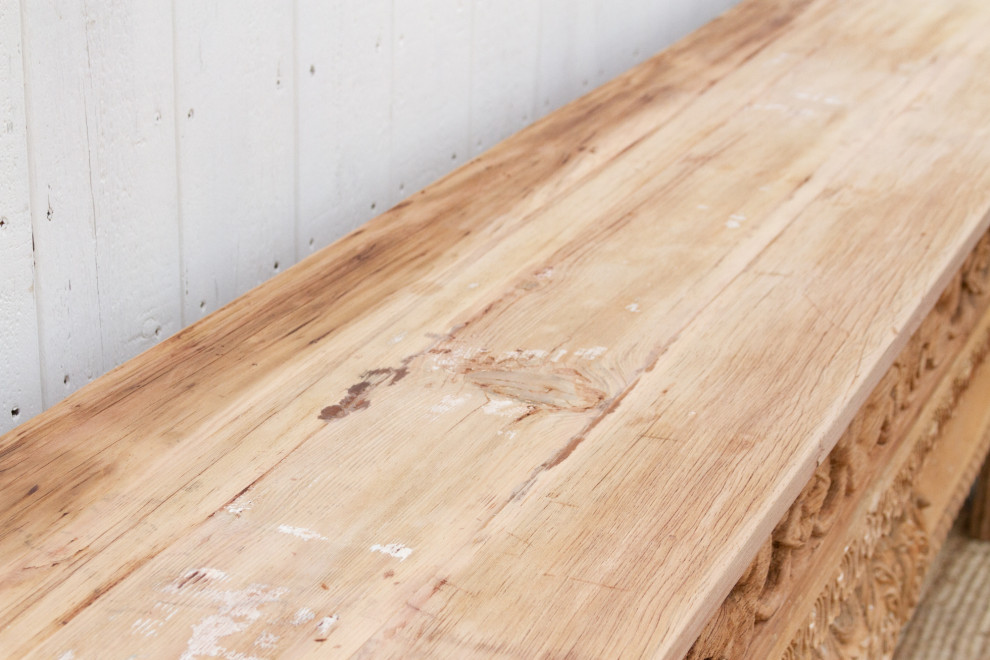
(552, 405)
(843, 569)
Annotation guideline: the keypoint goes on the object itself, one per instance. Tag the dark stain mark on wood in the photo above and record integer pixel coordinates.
(357, 394)
(34, 489)
(323, 336)
(235, 497)
(563, 453)
(389, 574)
(193, 577)
(351, 402)
(438, 586)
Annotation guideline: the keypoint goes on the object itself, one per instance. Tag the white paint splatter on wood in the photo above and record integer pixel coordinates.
(527, 355)
(452, 360)
(396, 550)
(448, 403)
(771, 106)
(149, 627)
(633, 307)
(304, 615)
(240, 506)
(591, 353)
(266, 640)
(504, 408)
(146, 627)
(302, 532)
(323, 627)
(238, 609)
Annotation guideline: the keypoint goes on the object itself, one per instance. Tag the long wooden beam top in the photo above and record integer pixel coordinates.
(551, 405)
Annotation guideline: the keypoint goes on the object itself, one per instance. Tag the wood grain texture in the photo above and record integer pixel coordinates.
(598, 364)
(821, 586)
(20, 377)
(878, 585)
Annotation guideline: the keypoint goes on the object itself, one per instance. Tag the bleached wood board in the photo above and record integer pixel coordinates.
(550, 405)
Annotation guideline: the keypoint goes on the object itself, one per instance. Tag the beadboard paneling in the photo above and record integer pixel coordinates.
(235, 106)
(20, 375)
(344, 116)
(164, 158)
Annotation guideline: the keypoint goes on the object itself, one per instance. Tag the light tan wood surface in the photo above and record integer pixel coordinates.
(842, 571)
(552, 405)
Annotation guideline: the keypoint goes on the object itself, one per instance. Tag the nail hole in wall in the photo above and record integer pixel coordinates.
(15, 412)
(453, 156)
(402, 187)
(3, 222)
(276, 265)
(158, 331)
(312, 69)
(65, 379)
(311, 241)
(190, 113)
(202, 304)
(373, 206)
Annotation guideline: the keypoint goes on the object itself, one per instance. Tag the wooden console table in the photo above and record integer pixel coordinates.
(694, 365)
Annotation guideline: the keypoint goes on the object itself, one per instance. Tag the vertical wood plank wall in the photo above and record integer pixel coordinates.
(160, 159)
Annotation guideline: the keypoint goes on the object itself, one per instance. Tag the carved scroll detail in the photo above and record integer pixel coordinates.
(872, 594)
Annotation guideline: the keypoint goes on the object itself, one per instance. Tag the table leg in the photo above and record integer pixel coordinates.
(979, 517)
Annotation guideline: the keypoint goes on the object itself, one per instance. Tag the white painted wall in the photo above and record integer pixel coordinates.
(159, 159)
